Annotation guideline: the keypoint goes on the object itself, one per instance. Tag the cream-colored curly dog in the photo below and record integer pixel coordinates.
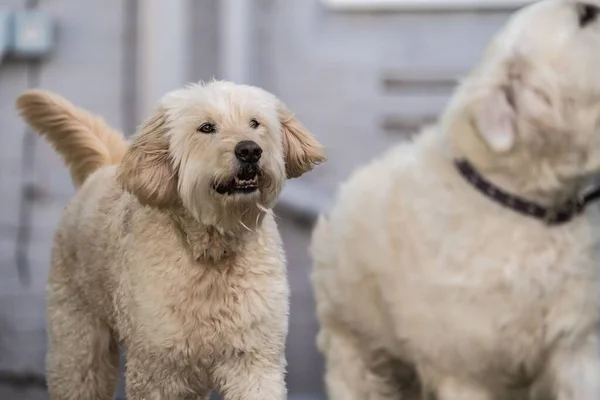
(429, 288)
(170, 249)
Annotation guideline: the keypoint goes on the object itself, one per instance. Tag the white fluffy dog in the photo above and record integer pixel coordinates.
(170, 249)
(463, 265)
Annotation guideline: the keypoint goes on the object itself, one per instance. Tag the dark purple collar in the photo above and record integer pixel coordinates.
(551, 216)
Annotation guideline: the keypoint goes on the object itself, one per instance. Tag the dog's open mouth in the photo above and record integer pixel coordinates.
(243, 183)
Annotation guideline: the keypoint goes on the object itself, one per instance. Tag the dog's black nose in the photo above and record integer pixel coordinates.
(248, 151)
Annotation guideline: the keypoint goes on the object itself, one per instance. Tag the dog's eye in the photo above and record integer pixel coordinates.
(254, 123)
(206, 127)
(588, 13)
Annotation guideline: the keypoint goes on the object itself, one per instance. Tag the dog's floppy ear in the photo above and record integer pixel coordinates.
(495, 120)
(301, 150)
(147, 170)
(519, 99)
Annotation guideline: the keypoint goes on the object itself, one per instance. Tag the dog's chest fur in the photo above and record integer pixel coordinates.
(204, 312)
(489, 288)
(500, 295)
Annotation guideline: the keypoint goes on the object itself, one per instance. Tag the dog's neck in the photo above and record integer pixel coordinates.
(527, 183)
(212, 243)
(534, 180)
(525, 177)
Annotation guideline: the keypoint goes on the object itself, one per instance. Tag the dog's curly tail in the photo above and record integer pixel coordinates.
(85, 141)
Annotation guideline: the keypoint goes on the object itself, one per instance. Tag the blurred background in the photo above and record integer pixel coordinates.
(361, 74)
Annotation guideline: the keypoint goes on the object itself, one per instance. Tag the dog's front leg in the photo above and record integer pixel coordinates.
(251, 377)
(162, 377)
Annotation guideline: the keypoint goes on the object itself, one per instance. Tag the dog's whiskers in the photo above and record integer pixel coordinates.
(245, 226)
(242, 222)
(264, 210)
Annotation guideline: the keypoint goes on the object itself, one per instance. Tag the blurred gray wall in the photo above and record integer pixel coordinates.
(360, 81)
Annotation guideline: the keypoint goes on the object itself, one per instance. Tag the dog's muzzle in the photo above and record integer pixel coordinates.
(245, 181)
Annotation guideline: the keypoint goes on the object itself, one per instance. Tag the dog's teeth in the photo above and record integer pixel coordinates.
(245, 183)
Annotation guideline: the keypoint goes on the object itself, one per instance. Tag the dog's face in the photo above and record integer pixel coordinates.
(218, 148)
(535, 98)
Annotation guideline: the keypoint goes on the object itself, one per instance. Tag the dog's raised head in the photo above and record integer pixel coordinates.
(219, 149)
(532, 106)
